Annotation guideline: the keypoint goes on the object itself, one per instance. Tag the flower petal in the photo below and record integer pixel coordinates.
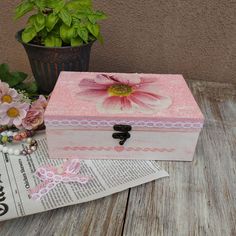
(146, 96)
(147, 85)
(24, 106)
(138, 102)
(93, 93)
(5, 120)
(125, 103)
(91, 84)
(22, 114)
(132, 79)
(150, 102)
(4, 107)
(4, 87)
(105, 79)
(13, 93)
(17, 121)
(40, 103)
(112, 103)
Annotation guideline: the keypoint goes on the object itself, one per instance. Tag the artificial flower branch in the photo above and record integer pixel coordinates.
(17, 110)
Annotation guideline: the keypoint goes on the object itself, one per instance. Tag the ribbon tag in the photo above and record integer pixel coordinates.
(52, 176)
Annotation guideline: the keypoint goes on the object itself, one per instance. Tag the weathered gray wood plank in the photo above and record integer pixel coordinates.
(198, 198)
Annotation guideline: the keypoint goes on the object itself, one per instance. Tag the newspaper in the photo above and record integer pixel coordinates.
(108, 177)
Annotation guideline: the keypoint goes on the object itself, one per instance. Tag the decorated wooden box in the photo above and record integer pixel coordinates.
(122, 116)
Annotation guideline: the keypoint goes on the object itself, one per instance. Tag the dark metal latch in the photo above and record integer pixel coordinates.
(123, 134)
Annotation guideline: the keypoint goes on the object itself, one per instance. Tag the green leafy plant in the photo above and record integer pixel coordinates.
(17, 80)
(59, 23)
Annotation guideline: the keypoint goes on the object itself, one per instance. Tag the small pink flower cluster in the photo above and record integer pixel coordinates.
(15, 111)
(35, 115)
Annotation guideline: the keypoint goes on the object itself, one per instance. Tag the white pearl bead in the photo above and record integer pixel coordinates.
(9, 133)
(1, 147)
(29, 140)
(17, 152)
(5, 150)
(33, 148)
(4, 133)
(10, 151)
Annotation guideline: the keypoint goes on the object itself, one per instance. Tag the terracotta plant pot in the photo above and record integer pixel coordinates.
(47, 63)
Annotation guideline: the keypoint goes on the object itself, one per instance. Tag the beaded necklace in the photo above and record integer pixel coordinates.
(16, 137)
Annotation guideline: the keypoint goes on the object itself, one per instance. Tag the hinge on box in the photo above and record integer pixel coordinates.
(123, 134)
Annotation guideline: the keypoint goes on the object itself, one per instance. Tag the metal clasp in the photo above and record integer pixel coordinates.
(123, 134)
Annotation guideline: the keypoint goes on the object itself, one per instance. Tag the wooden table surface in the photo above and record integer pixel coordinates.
(199, 197)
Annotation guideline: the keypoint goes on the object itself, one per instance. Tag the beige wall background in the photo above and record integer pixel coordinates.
(196, 38)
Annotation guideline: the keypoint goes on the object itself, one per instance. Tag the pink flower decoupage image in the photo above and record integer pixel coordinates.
(118, 94)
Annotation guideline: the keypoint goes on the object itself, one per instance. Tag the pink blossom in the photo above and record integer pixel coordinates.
(7, 94)
(13, 113)
(40, 103)
(115, 94)
(34, 118)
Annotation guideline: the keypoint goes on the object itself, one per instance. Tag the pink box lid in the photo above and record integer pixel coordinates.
(104, 99)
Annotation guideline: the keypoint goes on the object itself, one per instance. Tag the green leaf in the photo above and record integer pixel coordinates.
(67, 33)
(51, 21)
(41, 4)
(4, 72)
(43, 33)
(52, 41)
(101, 15)
(65, 16)
(17, 78)
(63, 33)
(12, 79)
(76, 42)
(31, 20)
(20, 75)
(76, 5)
(56, 5)
(31, 88)
(94, 29)
(23, 8)
(83, 33)
(80, 16)
(39, 22)
(28, 34)
(22, 86)
(94, 17)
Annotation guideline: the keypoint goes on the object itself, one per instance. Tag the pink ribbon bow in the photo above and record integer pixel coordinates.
(52, 176)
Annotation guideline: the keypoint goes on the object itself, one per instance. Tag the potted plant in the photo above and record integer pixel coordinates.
(58, 37)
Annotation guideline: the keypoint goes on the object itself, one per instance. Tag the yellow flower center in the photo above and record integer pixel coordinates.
(6, 98)
(122, 90)
(13, 112)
